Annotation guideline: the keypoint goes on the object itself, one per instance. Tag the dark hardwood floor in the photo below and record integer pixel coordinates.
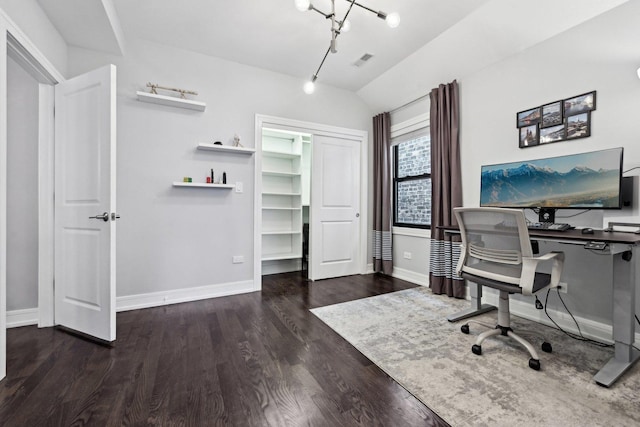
(259, 359)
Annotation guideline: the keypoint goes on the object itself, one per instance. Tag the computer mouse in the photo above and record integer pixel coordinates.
(587, 230)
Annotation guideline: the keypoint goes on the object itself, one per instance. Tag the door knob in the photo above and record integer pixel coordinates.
(104, 217)
(358, 215)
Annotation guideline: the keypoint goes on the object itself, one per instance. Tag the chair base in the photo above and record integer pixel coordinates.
(503, 318)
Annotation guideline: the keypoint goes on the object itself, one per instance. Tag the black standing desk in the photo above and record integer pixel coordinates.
(621, 247)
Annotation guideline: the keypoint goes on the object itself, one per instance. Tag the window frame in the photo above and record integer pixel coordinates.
(409, 178)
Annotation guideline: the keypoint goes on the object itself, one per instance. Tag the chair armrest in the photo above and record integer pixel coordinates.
(530, 265)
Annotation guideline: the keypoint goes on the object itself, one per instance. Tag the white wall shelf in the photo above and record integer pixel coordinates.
(225, 148)
(282, 232)
(280, 154)
(277, 173)
(203, 185)
(275, 208)
(278, 257)
(171, 101)
(279, 193)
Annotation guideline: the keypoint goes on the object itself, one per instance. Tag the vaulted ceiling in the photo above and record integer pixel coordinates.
(274, 35)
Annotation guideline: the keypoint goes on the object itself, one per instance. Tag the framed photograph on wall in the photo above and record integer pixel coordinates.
(529, 136)
(552, 134)
(578, 126)
(552, 114)
(528, 117)
(580, 104)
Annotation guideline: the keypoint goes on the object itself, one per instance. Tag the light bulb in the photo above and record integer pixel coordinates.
(393, 20)
(309, 87)
(346, 26)
(303, 5)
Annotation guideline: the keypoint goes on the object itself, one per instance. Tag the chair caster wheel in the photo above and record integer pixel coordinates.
(464, 329)
(534, 364)
(476, 349)
(546, 347)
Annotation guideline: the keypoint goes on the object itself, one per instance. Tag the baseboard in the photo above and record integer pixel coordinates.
(370, 269)
(410, 276)
(283, 266)
(590, 329)
(26, 317)
(157, 299)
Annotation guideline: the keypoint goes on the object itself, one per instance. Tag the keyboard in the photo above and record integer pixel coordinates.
(552, 226)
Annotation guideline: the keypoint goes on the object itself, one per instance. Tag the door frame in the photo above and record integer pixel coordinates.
(263, 121)
(14, 42)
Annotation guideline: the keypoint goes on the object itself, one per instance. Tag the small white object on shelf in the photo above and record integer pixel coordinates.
(225, 148)
(171, 101)
(203, 185)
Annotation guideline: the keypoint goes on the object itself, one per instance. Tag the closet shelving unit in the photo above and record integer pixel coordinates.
(281, 196)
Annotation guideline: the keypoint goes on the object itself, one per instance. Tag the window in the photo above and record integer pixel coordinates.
(412, 182)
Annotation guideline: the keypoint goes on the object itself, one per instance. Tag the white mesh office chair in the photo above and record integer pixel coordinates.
(496, 252)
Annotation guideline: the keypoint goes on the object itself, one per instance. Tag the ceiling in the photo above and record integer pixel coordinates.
(270, 34)
(274, 35)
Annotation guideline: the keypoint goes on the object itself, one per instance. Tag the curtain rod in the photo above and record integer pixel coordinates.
(420, 98)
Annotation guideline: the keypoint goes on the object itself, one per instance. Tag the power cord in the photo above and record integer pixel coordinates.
(578, 336)
(629, 170)
(576, 214)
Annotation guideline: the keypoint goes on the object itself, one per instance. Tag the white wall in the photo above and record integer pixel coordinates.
(173, 238)
(408, 241)
(603, 55)
(22, 191)
(31, 19)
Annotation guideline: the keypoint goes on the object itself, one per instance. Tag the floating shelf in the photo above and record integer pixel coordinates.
(225, 148)
(171, 101)
(203, 185)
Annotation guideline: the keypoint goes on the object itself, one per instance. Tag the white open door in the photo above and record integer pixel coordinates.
(85, 204)
(335, 207)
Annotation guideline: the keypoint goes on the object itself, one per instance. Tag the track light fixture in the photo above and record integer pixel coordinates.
(338, 27)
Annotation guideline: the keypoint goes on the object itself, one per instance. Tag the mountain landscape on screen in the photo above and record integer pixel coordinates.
(528, 185)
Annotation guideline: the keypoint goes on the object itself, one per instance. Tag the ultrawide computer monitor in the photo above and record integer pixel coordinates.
(577, 181)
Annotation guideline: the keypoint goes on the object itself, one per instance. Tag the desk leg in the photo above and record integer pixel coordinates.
(624, 300)
(475, 291)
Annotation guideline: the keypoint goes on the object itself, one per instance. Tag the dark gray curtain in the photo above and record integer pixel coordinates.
(382, 252)
(446, 190)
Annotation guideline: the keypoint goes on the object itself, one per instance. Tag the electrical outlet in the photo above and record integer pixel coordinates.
(563, 287)
(239, 187)
(407, 255)
(238, 259)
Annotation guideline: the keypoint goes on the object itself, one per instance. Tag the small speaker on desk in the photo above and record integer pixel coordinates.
(630, 213)
(628, 189)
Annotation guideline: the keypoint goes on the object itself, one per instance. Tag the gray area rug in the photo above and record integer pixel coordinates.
(407, 335)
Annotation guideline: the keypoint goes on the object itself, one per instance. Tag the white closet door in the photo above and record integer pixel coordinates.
(335, 207)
